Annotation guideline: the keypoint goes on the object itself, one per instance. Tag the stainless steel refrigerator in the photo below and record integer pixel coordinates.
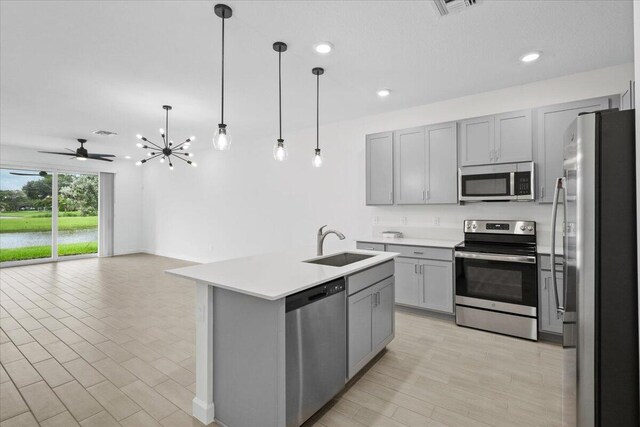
(596, 202)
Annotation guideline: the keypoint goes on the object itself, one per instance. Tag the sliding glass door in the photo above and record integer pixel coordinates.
(45, 215)
(25, 214)
(77, 214)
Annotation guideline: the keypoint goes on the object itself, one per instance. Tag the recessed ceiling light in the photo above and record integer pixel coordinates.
(104, 132)
(530, 57)
(383, 93)
(323, 48)
(127, 157)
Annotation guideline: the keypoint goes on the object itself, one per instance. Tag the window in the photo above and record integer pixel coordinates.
(46, 214)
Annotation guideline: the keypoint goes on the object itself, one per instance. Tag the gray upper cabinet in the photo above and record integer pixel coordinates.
(441, 173)
(409, 151)
(476, 141)
(551, 126)
(379, 169)
(513, 137)
(437, 285)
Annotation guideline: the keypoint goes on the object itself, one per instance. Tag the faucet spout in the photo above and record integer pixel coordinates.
(322, 235)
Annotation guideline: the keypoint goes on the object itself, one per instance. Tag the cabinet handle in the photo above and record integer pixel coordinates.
(377, 298)
(546, 279)
(423, 194)
(428, 194)
(542, 192)
(370, 249)
(421, 269)
(418, 253)
(415, 267)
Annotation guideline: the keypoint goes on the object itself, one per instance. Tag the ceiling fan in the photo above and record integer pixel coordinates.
(41, 173)
(82, 153)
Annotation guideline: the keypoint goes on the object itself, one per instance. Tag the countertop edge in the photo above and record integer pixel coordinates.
(384, 257)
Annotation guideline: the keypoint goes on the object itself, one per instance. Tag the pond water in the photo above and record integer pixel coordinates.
(43, 238)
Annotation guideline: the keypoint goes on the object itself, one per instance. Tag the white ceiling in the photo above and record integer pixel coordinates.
(70, 67)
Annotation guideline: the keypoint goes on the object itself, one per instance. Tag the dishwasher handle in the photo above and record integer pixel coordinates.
(314, 294)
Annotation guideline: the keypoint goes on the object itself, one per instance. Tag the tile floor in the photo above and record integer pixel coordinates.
(108, 342)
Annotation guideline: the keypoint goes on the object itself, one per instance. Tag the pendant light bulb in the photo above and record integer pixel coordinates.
(317, 159)
(222, 139)
(280, 151)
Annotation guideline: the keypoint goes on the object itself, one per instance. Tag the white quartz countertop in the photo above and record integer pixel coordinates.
(275, 275)
(434, 243)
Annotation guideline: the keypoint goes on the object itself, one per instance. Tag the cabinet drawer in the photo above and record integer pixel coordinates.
(370, 246)
(441, 254)
(545, 262)
(371, 276)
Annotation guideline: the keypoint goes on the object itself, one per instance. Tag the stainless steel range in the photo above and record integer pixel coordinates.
(497, 277)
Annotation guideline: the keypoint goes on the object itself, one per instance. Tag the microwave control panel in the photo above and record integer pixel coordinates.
(522, 183)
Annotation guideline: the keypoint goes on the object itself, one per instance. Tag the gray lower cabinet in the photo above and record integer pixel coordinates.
(436, 285)
(371, 323)
(379, 168)
(552, 125)
(549, 321)
(424, 284)
(409, 153)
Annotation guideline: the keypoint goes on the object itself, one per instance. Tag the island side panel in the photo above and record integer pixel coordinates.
(203, 407)
(248, 360)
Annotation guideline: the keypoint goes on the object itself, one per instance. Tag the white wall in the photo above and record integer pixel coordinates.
(243, 202)
(128, 189)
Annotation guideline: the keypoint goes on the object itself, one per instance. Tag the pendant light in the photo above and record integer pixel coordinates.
(317, 157)
(166, 150)
(279, 150)
(221, 138)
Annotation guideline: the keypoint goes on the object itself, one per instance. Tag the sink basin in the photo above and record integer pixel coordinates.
(340, 260)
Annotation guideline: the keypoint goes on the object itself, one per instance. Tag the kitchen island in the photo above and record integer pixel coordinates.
(241, 332)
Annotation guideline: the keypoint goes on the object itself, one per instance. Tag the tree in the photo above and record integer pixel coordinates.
(82, 194)
(13, 200)
(38, 189)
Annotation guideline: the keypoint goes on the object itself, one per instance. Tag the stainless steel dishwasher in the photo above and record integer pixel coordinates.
(316, 349)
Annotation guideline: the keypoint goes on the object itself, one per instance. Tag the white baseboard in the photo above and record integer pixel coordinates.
(203, 412)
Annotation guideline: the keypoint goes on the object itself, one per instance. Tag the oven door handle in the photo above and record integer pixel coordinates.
(522, 259)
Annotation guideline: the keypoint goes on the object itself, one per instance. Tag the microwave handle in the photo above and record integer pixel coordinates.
(559, 185)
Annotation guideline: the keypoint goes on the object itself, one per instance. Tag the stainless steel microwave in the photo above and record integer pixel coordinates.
(508, 182)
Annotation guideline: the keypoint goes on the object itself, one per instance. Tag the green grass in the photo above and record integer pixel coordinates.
(37, 214)
(27, 223)
(33, 252)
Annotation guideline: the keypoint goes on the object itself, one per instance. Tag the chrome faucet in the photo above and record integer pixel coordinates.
(322, 235)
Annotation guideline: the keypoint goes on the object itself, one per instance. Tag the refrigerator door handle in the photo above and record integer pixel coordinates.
(560, 185)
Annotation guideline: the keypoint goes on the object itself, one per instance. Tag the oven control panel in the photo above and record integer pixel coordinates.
(500, 227)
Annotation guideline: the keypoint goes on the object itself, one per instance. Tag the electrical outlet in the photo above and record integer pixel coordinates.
(436, 221)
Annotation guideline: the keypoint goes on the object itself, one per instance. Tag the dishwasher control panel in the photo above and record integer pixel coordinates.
(317, 293)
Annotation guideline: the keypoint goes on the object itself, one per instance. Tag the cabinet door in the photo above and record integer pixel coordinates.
(549, 321)
(360, 328)
(552, 124)
(407, 286)
(383, 313)
(409, 150)
(513, 141)
(476, 145)
(379, 169)
(437, 285)
(442, 163)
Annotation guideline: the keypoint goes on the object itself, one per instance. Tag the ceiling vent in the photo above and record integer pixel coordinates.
(445, 7)
(104, 132)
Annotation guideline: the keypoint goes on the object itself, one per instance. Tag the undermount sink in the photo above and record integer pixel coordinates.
(340, 260)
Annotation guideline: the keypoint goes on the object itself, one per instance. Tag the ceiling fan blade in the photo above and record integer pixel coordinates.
(101, 158)
(101, 155)
(24, 174)
(54, 152)
(73, 151)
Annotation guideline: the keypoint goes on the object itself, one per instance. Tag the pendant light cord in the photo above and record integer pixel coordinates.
(222, 108)
(166, 129)
(317, 111)
(280, 91)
